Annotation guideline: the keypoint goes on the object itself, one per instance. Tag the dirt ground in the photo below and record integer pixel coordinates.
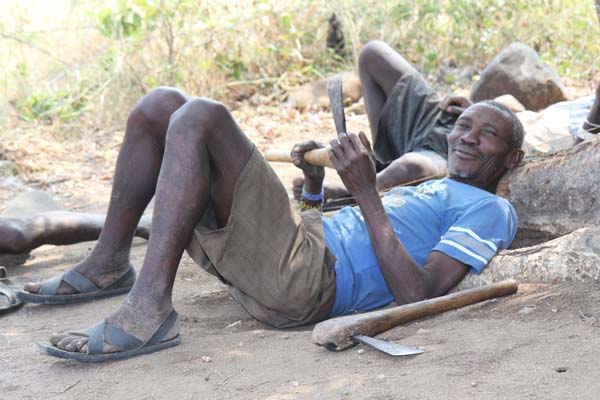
(542, 343)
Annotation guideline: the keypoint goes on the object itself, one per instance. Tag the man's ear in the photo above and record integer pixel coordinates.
(514, 158)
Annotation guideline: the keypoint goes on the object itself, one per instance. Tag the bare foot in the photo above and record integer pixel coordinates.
(139, 318)
(332, 191)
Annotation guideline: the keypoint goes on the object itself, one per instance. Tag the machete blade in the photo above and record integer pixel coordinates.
(336, 103)
(393, 349)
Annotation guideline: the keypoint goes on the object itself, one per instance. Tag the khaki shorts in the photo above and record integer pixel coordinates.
(273, 259)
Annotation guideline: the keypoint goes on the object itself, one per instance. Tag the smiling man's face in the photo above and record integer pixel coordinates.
(481, 146)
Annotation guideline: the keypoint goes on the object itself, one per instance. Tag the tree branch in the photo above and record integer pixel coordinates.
(33, 46)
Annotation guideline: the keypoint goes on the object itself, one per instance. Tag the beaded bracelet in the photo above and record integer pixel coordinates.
(311, 206)
(313, 197)
(310, 201)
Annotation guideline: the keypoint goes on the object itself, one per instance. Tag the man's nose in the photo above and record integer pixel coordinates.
(471, 136)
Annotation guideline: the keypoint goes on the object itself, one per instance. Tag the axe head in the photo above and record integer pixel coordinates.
(336, 103)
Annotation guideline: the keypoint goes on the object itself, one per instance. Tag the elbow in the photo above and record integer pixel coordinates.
(420, 289)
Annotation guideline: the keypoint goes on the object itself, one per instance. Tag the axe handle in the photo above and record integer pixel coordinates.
(337, 333)
(319, 157)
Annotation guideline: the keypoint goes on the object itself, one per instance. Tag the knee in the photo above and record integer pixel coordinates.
(372, 52)
(200, 117)
(156, 107)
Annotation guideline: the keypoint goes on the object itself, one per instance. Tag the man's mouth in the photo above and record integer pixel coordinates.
(461, 152)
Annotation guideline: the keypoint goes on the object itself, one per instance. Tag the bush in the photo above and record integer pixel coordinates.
(212, 48)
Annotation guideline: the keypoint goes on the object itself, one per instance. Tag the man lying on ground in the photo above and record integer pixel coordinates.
(217, 197)
(409, 122)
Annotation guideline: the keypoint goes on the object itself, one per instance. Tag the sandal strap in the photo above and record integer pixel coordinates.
(126, 279)
(50, 286)
(102, 333)
(79, 282)
(8, 292)
(164, 328)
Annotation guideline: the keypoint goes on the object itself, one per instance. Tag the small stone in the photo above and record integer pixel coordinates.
(206, 359)
(526, 310)
(561, 369)
(554, 310)
(422, 331)
(295, 384)
(240, 344)
(233, 324)
(474, 384)
(361, 351)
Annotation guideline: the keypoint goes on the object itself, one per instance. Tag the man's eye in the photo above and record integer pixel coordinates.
(490, 132)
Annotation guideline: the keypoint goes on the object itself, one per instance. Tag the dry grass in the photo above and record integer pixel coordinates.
(79, 65)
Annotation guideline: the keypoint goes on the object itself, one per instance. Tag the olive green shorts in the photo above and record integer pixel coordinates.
(273, 259)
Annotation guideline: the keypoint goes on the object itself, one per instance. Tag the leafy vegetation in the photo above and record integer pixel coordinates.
(111, 52)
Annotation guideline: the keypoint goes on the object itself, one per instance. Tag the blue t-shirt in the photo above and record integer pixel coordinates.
(462, 221)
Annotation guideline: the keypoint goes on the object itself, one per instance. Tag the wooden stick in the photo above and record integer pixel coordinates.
(337, 333)
(318, 157)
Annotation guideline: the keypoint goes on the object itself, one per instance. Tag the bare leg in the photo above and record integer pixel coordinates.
(21, 235)
(379, 68)
(135, 180)
(205, 154)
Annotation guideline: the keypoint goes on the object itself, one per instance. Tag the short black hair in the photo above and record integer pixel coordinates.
(518, 132)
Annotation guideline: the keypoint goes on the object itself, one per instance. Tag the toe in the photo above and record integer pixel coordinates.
(80, 343)
(32, 287)
(66, 343)
(55, 339)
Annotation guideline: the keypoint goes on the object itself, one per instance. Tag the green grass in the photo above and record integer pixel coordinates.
(116, 51)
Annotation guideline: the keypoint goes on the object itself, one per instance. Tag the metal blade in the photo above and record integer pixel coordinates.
(393, 349)
(336, 103)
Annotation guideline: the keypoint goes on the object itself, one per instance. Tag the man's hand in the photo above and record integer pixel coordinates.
(454, 104)
(352, 158)
(313, 175)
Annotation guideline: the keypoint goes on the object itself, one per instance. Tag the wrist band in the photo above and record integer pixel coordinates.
(312, 197)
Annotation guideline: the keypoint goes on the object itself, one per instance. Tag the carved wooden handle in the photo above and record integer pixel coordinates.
(337, 333)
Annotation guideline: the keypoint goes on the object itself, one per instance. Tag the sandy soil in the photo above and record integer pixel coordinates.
(542, 343)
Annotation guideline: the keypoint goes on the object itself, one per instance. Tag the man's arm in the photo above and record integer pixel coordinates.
(408, 281)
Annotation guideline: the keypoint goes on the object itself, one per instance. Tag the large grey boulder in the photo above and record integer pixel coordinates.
(557, 194)
(519, 71)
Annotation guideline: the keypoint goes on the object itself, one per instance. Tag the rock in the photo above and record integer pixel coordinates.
(556, 194)
(314, 94)
(509, 101)
(525, 310)
(31, 202)
(574, 257)
(8, 168)
(519, 71)
(11, 182)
